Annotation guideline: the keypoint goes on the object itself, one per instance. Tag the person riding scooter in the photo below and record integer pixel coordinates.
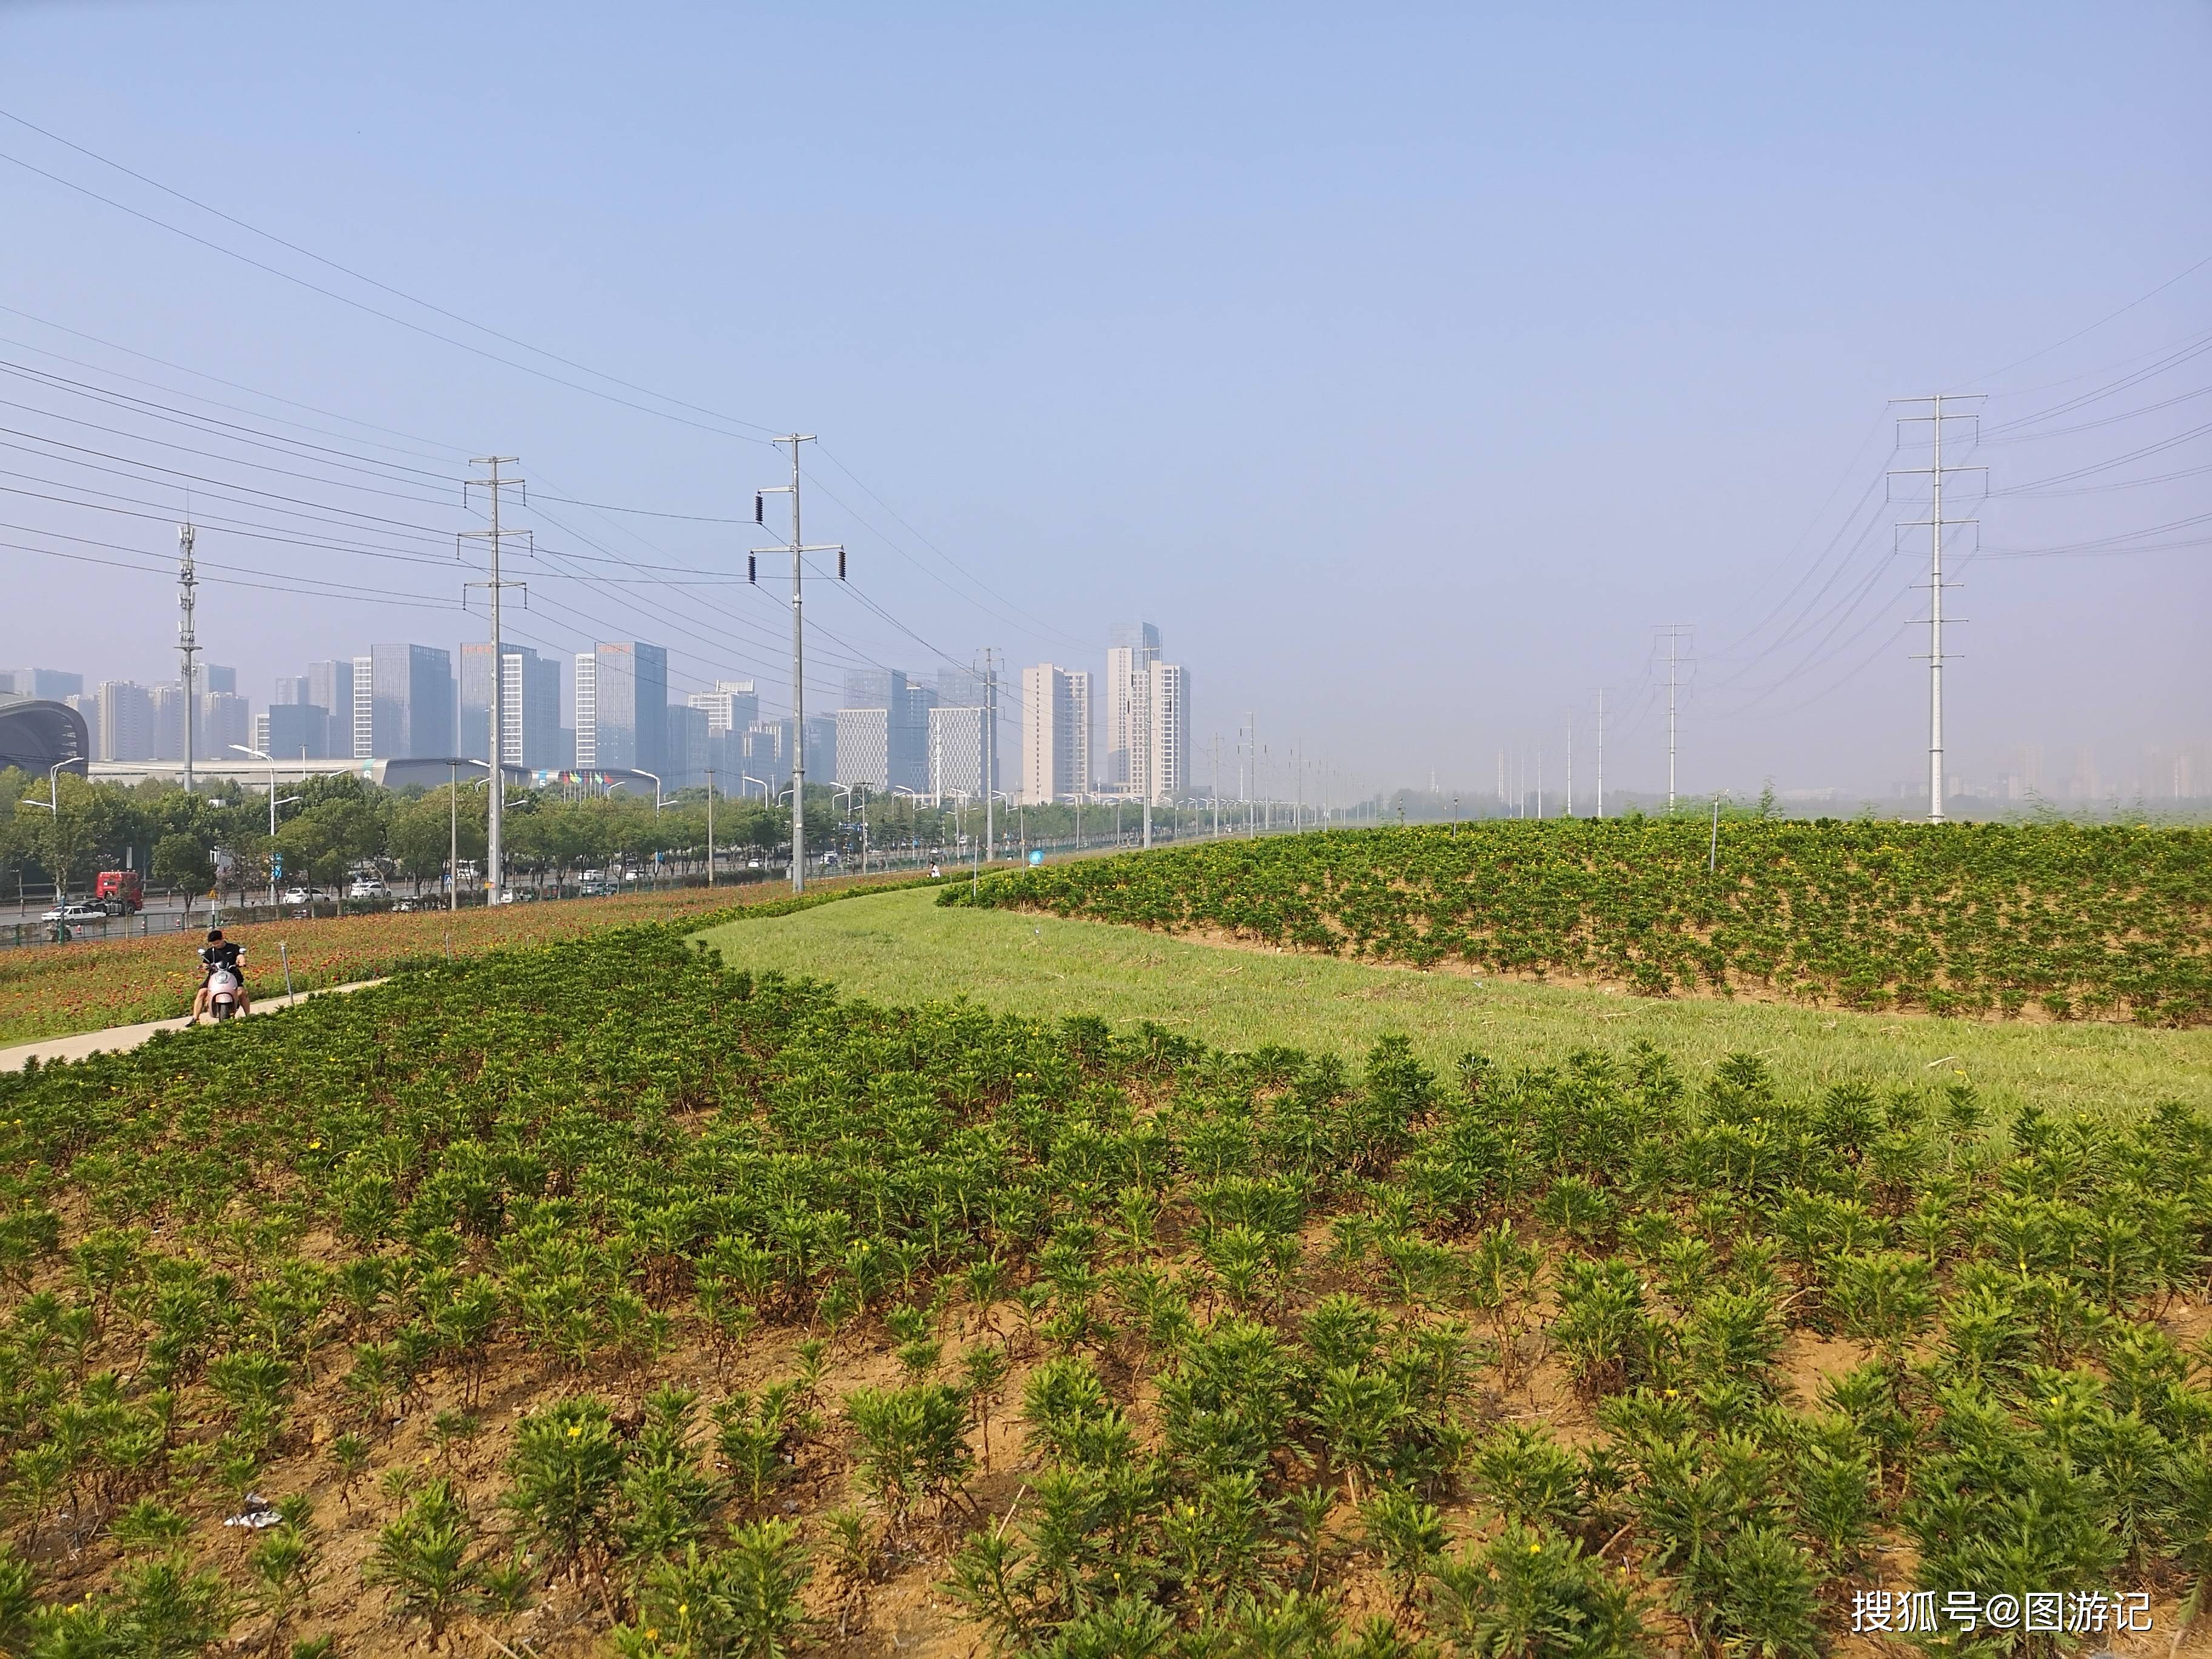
(226, 956)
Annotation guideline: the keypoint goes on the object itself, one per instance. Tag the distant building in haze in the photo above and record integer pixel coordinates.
(530, 707)
(621, 706)
(329, 688)
(1055, 733)
(1168, 751)
(47, 685)
(126, 722)
(1135, 647)
(403, 703)
(293, 731)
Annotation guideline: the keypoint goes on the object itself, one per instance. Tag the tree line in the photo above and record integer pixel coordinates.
(328, 827)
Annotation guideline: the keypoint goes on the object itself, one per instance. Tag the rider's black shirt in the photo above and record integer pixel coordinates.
(225, 955)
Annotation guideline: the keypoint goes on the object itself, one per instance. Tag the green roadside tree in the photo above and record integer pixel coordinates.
(181, 859)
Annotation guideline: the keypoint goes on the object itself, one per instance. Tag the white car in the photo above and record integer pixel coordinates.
(74, 913)
(367, 887)
(296, 896)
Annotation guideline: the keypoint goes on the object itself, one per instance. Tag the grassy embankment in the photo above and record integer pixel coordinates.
(904, 948)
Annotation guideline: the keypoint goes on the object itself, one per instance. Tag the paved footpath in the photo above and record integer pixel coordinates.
(118, 1038)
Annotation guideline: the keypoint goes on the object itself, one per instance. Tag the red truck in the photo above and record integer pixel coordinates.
(119, 892)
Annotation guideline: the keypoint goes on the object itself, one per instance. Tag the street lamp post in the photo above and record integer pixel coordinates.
(642, 773)
(54, 806)
(914, 798)
(273, 804)
(453, 828)
(710, 826)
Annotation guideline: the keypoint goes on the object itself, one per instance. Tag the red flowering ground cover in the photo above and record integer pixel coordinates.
(54, 990)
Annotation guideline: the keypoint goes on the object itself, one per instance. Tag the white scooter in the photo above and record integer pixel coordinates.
(222, 988)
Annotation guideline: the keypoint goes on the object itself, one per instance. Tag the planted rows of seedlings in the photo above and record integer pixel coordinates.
(2050, 920)
(657, 1308)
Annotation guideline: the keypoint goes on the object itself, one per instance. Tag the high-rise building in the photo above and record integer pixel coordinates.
(956, 737)
(329, 688)
(125, 732)
(530, 706)
(689, 742)
(864, 747)
(1135, 647)
(900, 758)
(530, 711)
(293, 731)
(88, 705)
(621, 706)
(1168, 751)
(767, 753)
(472, 725)
(732, 706)
(169, 724)
(968, 687)
(291, 688)
(214, 679)
(49, 684)
(226, 725)
(1055, 733)
(403, 703)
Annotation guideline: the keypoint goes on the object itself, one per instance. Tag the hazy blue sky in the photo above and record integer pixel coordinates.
(1404, 364)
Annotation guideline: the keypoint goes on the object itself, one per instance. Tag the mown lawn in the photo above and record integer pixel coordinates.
(904, 948)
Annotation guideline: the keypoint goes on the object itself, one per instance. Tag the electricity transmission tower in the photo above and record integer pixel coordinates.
(799, 549)
(1934, 523)
(188, 641)
(1600, 751)
(990, 676)
(1674, 631)
(495, 789)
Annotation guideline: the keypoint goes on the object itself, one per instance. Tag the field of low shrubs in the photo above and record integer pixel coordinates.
(723, 1316)
(2055, 920)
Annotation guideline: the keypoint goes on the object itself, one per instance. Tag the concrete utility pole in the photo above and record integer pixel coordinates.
(1674, 632)
(496, 793)
(188, 641)
(798, 549)
(1571, 764)
(1935, 472)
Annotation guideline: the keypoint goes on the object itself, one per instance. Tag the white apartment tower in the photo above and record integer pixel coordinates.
(1055, 733)
(1168, 744)
(1135, 648)
(586, 687)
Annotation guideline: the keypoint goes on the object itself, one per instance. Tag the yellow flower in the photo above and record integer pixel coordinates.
(1535, 1549)
(574, 1429)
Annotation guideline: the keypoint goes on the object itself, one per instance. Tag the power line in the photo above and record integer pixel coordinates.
(347, 299)
(2110, 316)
